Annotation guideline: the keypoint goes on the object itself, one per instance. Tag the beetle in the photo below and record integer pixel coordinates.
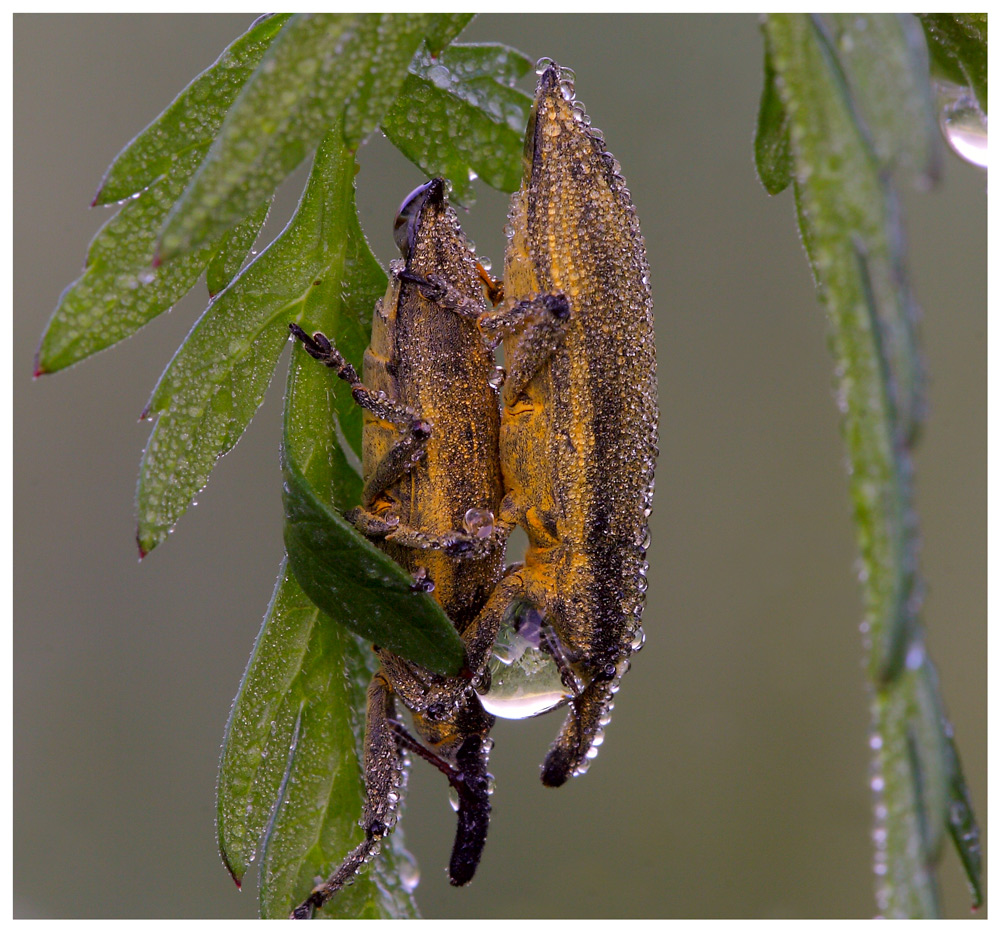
(579, 417)
(432, 487)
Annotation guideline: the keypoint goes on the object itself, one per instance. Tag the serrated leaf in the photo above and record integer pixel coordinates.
(234, 247)
(957, 43)
(295, 788)
(315, 64)
(771, 147)
(457, 116)
(217, 379)
(290, 780)
(192, 120)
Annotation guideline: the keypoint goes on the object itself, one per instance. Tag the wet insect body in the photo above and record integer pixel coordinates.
(579, 415)
(432, 487)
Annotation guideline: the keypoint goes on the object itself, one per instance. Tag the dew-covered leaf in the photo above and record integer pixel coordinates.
(387, 69)
(315, 65)
(878, 52)
(458, 116)
(120, 289)
(832, 92)
(291, 783)
(192, 120)
(771, 148)
(234, 247)
(444, 29)
(957, 46)
(216, 380)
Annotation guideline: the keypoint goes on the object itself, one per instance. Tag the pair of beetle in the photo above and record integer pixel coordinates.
(568, 455)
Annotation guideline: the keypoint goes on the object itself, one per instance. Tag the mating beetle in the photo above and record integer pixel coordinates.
(430, 463)
(579, 417)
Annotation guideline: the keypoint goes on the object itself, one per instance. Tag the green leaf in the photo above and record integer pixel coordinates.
(315, 65)
(192, 120)
(444, 29)
(217, 379)
(771, 148)
(879, 52)
(290, 780)
(234, 247)
(957, 46)
(459, 116)
(397, 40)
(845, 84)
(120, 289)
(345, 575)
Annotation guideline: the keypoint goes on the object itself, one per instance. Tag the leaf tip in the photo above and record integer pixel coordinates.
(236, 874)
(40, 369)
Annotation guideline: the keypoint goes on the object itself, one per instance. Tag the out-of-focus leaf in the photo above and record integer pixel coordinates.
(771, 148)
(458, 116)
(192, 120)
(877, 52)
(317, 63)
(290, 780)
(380, 83)
(120, 290)
(234, 248)
(957, 45)
(834, 92)
(444, 28)
(215, 382)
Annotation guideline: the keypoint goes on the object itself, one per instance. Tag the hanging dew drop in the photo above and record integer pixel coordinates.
(524, 680)
(963, 124)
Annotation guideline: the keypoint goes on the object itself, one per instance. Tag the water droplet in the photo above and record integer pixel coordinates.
(964, 125)
(479, 522)
(497, 377)
(453, 797)
(524, 679)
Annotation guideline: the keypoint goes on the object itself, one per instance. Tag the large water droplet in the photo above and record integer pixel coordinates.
(964, 125)
(524, 679)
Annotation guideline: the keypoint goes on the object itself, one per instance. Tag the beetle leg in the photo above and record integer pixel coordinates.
(413, 430)
(481, 634)
(384, 780)
(470, 780)
(458, 544)
(542, 320)
(575, 744)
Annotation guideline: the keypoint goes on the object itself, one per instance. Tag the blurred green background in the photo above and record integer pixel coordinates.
(733, 781)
